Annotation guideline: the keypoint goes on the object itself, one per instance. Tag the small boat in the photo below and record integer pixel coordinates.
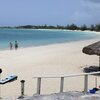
(9, 78)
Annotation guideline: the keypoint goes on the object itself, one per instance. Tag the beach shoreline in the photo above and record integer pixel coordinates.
(51, 37)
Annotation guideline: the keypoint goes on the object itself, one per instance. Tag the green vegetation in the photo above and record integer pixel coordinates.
(68, 27)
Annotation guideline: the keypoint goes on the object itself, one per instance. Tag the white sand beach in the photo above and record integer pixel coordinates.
(47, 60)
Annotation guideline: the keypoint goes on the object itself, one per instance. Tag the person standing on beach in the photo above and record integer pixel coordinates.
(16, 45)
(11, 46)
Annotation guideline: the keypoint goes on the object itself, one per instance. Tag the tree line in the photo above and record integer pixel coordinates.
(95, 27)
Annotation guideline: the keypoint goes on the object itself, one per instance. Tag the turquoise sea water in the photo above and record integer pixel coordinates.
(35, 37)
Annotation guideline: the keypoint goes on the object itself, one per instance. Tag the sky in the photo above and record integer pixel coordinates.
(50, 12)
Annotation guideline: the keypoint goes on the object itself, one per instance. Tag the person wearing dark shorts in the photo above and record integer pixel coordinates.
(16, 45)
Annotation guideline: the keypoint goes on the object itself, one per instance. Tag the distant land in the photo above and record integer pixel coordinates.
(95, 27)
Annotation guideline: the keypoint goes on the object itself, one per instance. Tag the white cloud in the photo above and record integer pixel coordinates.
(88, 14)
